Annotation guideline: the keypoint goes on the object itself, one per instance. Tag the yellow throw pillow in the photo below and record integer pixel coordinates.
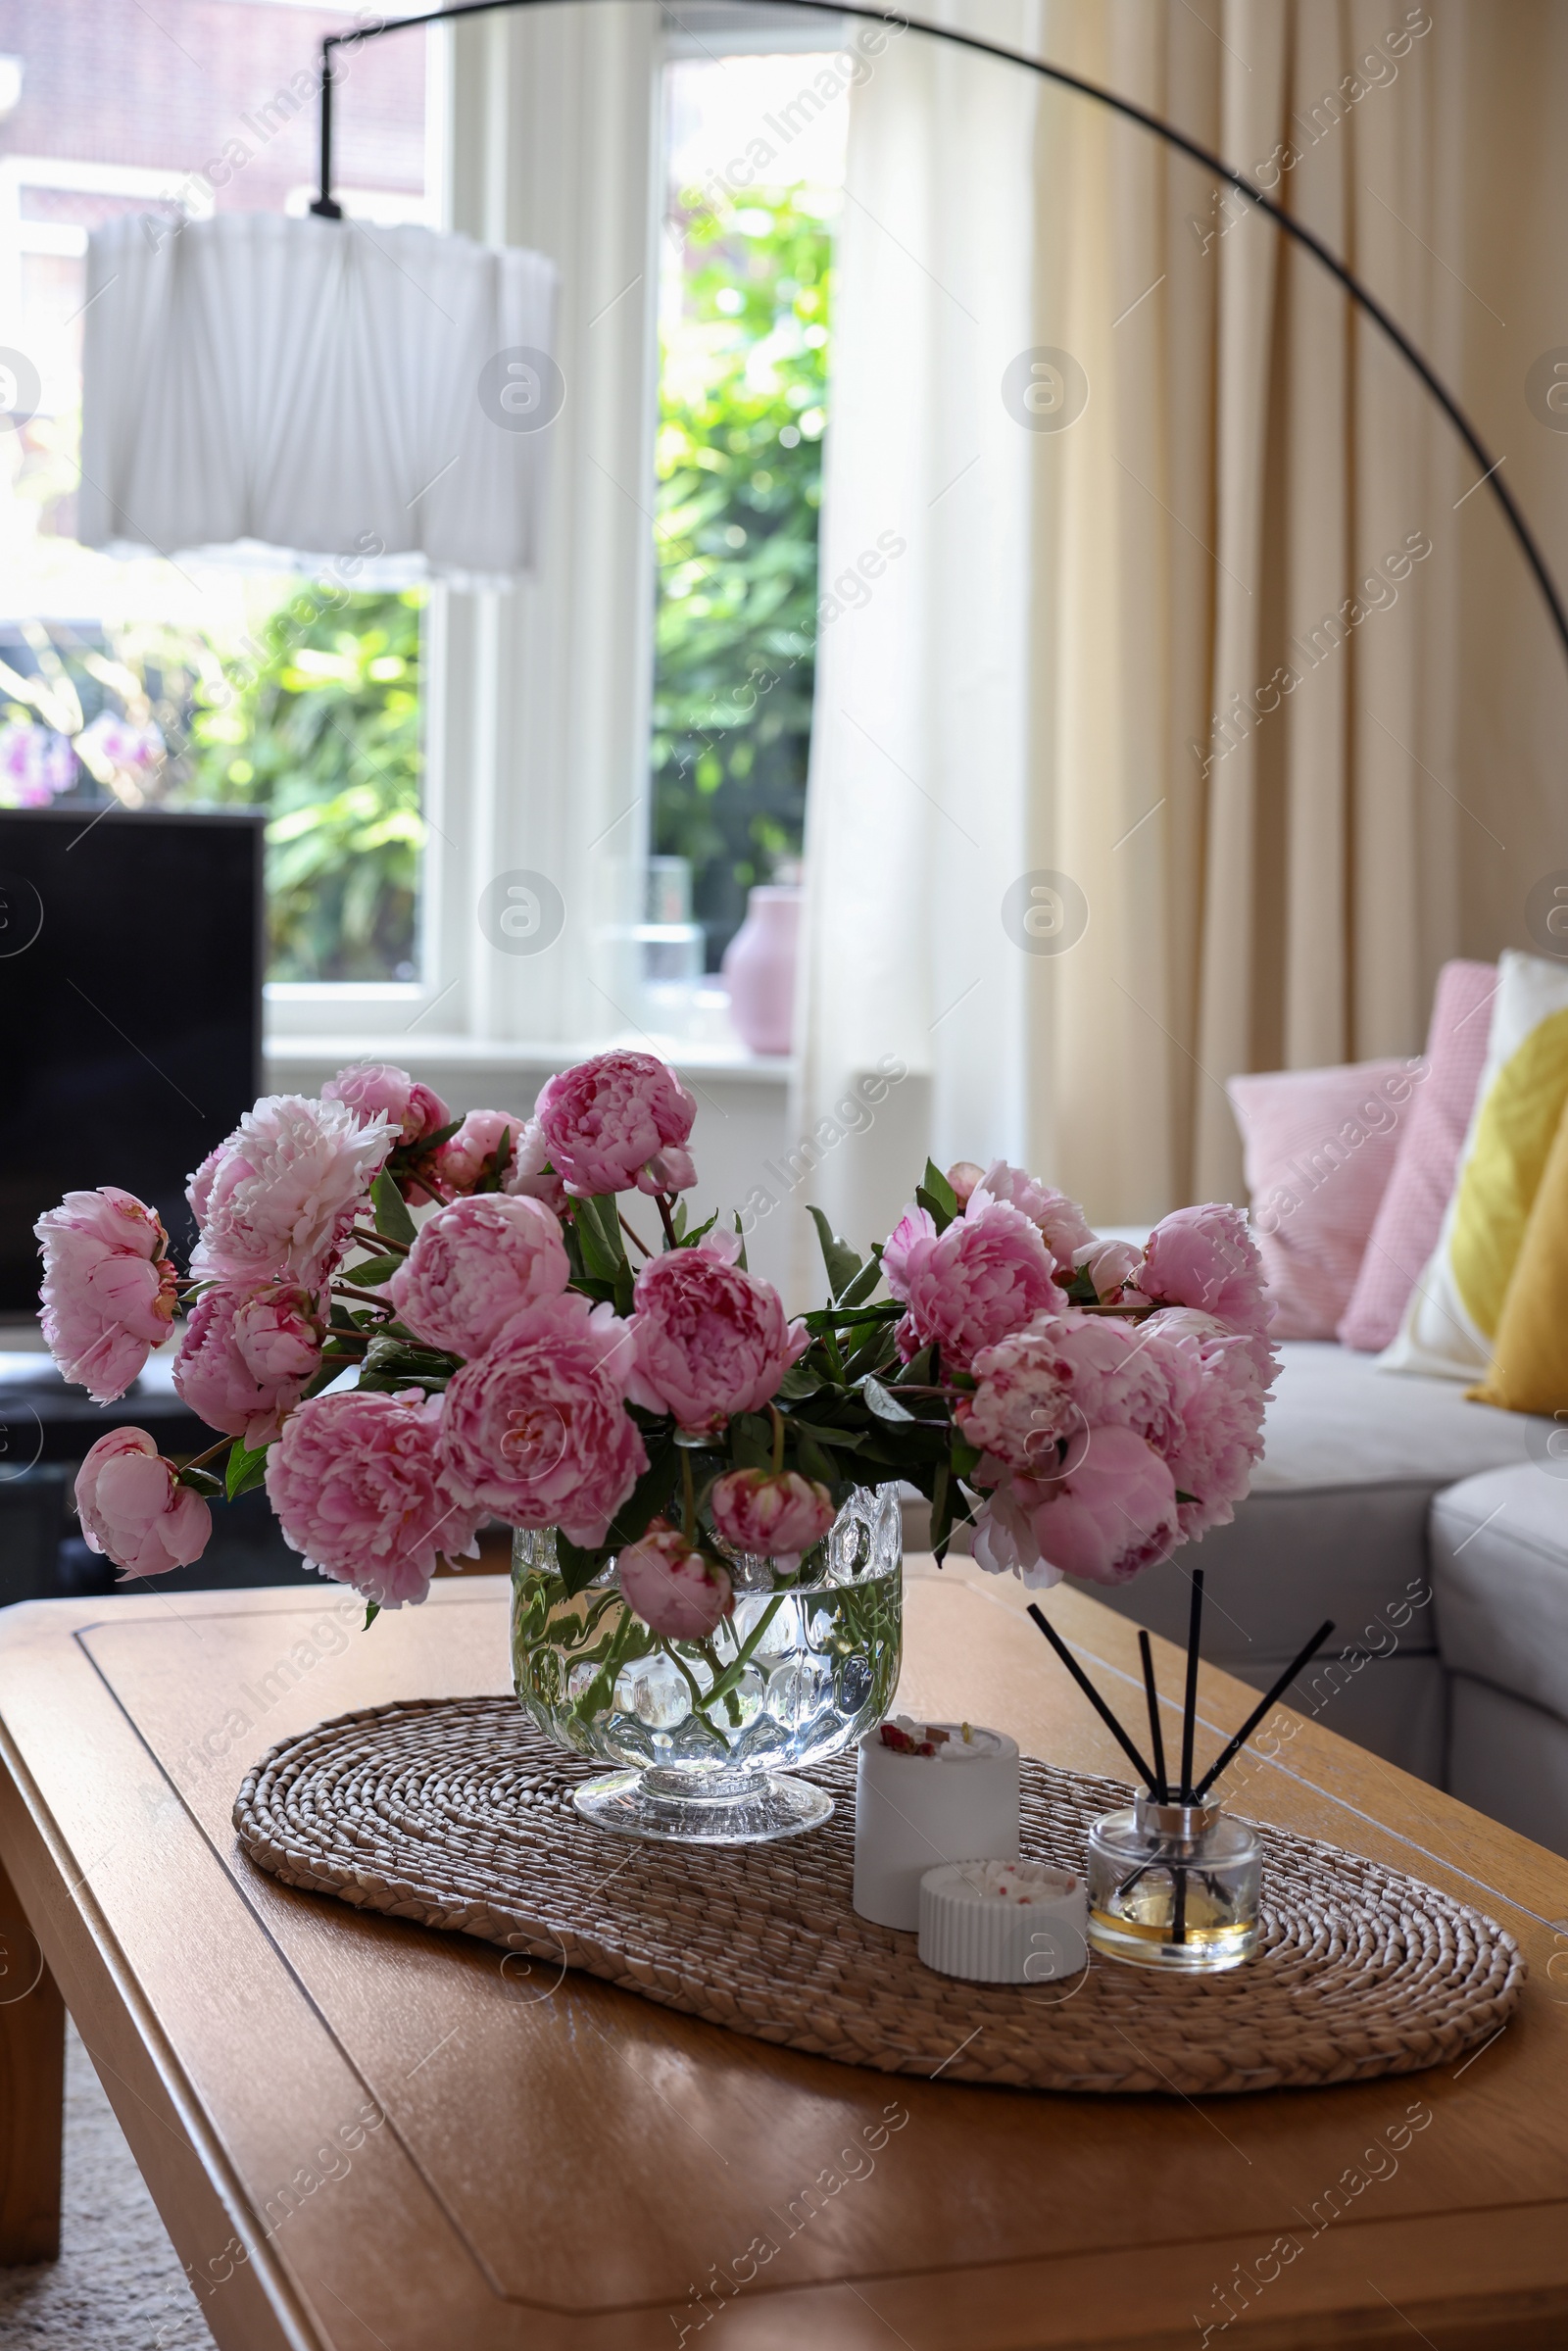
(1529, 1361)
(1453, 1318)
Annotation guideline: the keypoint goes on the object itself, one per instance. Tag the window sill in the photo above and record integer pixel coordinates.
(300, 1053)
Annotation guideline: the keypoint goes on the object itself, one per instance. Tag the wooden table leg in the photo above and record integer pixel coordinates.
(32, 2091)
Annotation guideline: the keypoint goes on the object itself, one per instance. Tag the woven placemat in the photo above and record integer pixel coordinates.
(458, 1813)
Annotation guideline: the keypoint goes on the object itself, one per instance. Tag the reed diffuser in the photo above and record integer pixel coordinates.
(1173, 1882)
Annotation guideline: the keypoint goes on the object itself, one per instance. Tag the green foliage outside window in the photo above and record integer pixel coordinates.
(741, 405)
(322, 729)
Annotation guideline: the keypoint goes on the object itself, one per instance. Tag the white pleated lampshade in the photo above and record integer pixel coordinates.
(315, 390)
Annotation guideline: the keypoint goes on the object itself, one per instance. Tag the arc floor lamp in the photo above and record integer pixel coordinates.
(326, 207)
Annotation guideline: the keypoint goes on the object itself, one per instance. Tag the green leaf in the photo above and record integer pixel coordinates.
(865, 1281)
(372, 1612)
(598, 1231)
(245, 1468)
(578, 1568)
(882, 1402)
(374, 1272)
(200, 1481)
(750, 1440)
(814, 1460)
(843, 1262)
(646, 1497)
(933, 1208)
(798, 1382)
(741, 1238)
(916, 1373)
(936, 1185)
(392, 1219)
(1185, 1498)
(965, 1458)
(941, 1512)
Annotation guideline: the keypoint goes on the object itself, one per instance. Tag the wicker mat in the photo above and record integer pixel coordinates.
(456, 1813)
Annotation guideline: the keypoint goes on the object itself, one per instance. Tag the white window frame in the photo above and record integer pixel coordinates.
(566, 660)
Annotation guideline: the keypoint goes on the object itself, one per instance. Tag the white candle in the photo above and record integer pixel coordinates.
(957, 1800)
(1004, 1922)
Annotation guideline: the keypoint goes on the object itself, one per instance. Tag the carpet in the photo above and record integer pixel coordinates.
(118, 2284)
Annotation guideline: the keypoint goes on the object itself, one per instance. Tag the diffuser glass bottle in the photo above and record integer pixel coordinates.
(1173, 1886)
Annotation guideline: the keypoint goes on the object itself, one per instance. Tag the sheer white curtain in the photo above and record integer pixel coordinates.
(919, 788)
(1178, 650)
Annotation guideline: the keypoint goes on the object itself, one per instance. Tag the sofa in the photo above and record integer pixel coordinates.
(1435, 1532)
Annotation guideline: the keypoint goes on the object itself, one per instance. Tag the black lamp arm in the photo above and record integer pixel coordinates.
(327, 208)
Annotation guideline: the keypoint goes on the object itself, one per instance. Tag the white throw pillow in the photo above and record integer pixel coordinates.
(1451, 1318)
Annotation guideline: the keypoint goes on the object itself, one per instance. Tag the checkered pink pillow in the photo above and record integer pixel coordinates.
(1320, 1147)
(1405, 1232)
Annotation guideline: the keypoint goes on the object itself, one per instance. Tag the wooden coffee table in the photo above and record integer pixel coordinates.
(359, 2132)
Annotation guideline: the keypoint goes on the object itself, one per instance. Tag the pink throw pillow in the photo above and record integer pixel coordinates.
(1405, 1232)
(1320, 1147)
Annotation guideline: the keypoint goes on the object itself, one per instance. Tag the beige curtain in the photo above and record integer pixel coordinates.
(1284, 709)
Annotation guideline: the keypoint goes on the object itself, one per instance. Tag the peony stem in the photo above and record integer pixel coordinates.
(381, 1242)
(671, 1237)
(688, 1498)
(778, 1439)
(631, 1236)
(372, 1297)
(200, 1460)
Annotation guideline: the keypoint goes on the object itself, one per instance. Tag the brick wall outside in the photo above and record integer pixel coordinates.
(175, 85)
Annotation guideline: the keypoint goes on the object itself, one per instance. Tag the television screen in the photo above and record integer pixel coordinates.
(131, 953)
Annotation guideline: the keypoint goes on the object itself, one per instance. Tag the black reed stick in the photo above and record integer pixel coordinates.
(1159, 1792)
(1093, 1696)
(1228, 1753)
(1190, 1701)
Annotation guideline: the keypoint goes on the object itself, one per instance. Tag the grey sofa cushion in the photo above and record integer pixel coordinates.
(1336, 1524)
(1510, 1760)
(1335, 1420)
(1499, 1562)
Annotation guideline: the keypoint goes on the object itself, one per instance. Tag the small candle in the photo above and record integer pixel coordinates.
(927, 1793)
(1004, 1922)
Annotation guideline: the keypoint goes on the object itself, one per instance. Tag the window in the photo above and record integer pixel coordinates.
(158, 681)
(745, 321)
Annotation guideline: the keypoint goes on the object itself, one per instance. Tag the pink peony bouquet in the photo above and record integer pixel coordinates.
(520, 1350)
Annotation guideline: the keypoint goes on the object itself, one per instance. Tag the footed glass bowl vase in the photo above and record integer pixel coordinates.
(703, 1732)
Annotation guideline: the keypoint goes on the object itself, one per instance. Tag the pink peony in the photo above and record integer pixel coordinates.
(1112, 1514)
(673, 1588)
(108, 1287)
(962, 1178)
(775, 1517)
(1062, 1223)
(475, 1263)
(1046, 1385)
(532, 1173)
(1110, 1264)
(377, 1090)
(536, 1428)
(988, 1274)
(710, 1341)
(1220, 1437)
(247, 1359)
(274, 1203)
(619, 1121)
(358, 1486)
(1004, 1538)
(1206, 1258)
(460, 1161)
(132, 1511)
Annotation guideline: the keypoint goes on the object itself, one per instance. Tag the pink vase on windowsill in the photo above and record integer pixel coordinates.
(760, 968)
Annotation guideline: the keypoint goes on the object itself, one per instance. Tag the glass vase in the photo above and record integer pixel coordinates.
(1174, 1887)
(704, 1732)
